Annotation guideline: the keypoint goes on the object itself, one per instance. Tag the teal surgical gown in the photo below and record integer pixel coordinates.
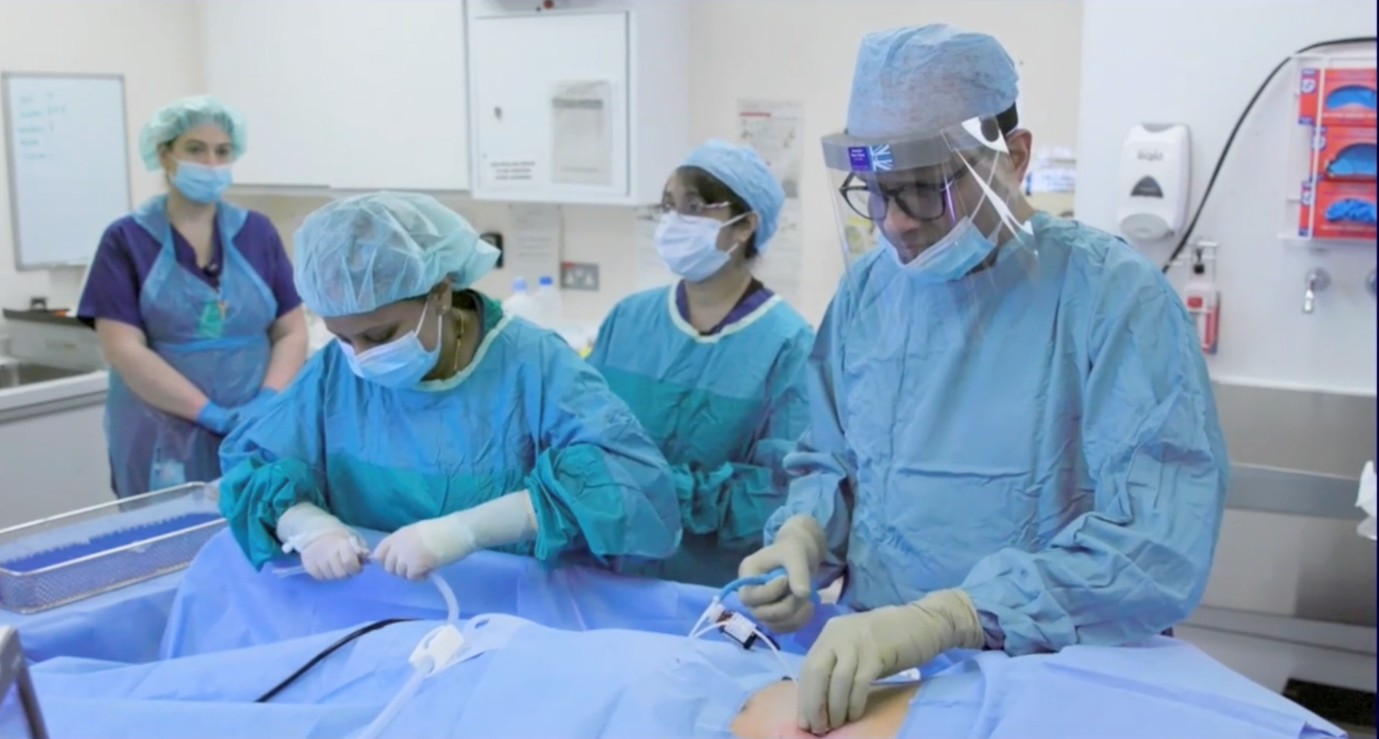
(1052, 447)
(724, 408)
(526, 414)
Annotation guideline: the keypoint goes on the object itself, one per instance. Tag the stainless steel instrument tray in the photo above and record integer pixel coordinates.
(61, 559)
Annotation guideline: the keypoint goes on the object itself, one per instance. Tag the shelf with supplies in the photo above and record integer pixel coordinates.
(1331, 190)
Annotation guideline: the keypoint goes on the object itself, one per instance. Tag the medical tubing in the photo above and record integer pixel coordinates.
(452, 606)
(365, 629)
(408, 691)
(741, 582)
(704, 617)
(785, 668)
(1221, 160)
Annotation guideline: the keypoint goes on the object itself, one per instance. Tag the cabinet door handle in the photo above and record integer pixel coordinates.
(498, 112)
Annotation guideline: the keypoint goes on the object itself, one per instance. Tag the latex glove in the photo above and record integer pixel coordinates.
(783, 604)
(216, 418)
(854, 651)
(415, 551)
(330, 550)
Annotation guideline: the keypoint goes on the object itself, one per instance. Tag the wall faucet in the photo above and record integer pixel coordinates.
(1317, 281)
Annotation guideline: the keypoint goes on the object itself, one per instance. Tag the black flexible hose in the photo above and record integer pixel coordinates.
(1187, 232)
(346, 639)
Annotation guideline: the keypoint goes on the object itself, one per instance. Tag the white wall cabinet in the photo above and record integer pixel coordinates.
(264, 59)
(54, 463)
(583, 103)
(348, 94)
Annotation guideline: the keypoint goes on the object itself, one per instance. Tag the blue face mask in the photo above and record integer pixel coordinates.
(951, 257)
(200, 183)
(400, 364)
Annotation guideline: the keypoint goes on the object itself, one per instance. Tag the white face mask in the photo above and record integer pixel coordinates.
(689, 245)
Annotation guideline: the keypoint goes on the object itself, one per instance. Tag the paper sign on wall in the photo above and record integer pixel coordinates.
(582, 143)
(774, 128)
(533, 249)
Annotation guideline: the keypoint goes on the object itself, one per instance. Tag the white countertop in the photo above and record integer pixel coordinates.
(53, 390)
(578, 334)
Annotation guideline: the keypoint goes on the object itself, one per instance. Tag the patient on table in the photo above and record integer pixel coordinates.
(770, 714)
(518, 679)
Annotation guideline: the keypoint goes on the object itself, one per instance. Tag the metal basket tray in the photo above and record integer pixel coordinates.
(58, 560)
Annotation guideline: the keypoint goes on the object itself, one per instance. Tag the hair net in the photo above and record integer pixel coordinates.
(745, 173)
(923, 79)
(364, 252)
(174, 119)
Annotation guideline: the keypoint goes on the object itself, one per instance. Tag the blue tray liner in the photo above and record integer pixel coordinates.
(104, 542)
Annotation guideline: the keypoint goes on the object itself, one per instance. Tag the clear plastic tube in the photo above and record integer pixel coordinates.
(452, 606)
(394, 707)
(424, 668)
(704, 617)
(785, 668)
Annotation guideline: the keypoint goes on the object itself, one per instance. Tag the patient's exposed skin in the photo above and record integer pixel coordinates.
(770, 714)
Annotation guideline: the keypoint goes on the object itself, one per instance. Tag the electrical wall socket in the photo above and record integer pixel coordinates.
(579, 276)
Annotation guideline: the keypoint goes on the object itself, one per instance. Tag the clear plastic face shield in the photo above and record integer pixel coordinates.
(935, 205)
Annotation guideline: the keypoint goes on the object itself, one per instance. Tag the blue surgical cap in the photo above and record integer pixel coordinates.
(361, 253)
(745, 173)
(924, 79)
(177, 118)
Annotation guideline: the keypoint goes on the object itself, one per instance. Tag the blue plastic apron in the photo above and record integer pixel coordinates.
(216, 338)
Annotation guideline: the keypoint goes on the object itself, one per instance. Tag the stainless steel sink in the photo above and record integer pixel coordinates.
(15, 373)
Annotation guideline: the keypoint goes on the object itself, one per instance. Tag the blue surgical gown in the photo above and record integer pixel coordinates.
(526, 414)
(724, 408)
(1053, 448)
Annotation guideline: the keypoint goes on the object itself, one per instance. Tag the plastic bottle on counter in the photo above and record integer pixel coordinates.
(549, 308)
(522, 304)
(1203, 302)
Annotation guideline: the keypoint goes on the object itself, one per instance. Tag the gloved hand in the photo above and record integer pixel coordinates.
(258, 402)
(330, 550)
(216, 418)
(414, 551)
(854, 651)
(335, 556)
(783, 605)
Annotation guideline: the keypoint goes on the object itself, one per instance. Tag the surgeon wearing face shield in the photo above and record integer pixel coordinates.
(1014, 443)
(714, 365)
(193, 302)
(436, 417)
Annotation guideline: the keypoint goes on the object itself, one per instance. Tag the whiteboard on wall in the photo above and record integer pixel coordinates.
(68, 157)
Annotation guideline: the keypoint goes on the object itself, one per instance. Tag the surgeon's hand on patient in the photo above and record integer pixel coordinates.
(783, 605)
(415, 551)
(330, 550)
(854, 651)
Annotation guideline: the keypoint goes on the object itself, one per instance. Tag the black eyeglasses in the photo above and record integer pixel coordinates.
(693, 208)
(920, 201)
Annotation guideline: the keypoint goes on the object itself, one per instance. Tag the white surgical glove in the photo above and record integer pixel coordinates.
(414, 551)
(854, 651)
(330, 550)
(783, 604)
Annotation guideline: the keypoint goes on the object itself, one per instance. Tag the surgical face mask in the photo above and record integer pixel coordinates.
(400, 364)
(200, 183)
(689, 245)
(951, 257)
